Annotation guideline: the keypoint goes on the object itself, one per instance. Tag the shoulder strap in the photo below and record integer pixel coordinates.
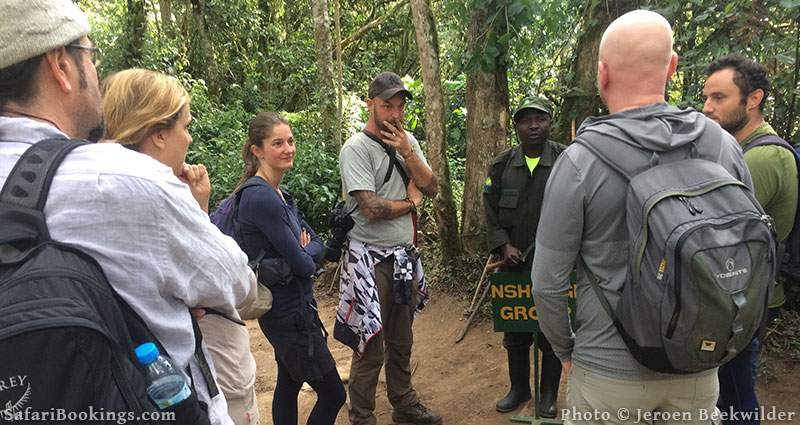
(252, 181)
(630, 160)
(400, 170)
(24, 193)
(202, 361)
(595, 284)
(769, 140)
(605, 150)
(774, 140)
(393, 162)
(237, 197)
(30, 179)
(237, 194)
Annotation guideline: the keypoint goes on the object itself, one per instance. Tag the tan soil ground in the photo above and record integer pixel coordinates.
(463, 381)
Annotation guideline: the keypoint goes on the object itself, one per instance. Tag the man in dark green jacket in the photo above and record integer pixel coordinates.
(512, 199)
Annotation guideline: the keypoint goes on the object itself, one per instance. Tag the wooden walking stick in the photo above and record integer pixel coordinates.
(335, 275)
(480, 281)
(490, 267)
(573, 130)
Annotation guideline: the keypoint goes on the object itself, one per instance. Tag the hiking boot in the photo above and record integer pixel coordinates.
(519, 372)
(547, 405)
(548, 385)
(416, 414)
(515, 398)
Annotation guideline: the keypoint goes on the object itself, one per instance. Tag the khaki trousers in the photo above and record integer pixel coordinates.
(244, 410)
(391, 346)
(596, 399)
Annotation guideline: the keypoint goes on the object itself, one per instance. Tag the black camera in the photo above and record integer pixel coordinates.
(340, 221)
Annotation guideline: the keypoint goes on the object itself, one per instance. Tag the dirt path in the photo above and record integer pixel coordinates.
(462, 381)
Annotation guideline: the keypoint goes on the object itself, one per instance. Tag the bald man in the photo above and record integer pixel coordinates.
(581, 219)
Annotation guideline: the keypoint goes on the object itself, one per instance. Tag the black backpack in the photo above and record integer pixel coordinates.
(67, 339)
(789, 266)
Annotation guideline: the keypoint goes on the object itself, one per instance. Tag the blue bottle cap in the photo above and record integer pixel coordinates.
(146, 353)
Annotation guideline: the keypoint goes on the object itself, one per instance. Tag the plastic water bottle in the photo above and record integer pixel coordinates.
(166, 386)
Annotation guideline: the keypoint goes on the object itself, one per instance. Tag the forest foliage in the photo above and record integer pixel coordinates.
(238, 57)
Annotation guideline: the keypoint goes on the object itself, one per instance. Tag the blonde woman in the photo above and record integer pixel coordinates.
(149, 112)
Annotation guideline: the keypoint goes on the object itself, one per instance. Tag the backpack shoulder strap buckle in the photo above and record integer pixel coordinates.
(24, 193)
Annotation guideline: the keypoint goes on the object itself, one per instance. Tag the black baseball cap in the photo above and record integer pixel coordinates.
(386, 85)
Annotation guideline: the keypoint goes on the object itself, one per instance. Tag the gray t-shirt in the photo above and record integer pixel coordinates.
(363, 164)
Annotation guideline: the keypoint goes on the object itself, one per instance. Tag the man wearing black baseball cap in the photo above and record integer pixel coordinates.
(386, 85)
(512, 200)
(384, 176)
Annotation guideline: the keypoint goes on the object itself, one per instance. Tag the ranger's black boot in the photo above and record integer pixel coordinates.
(519, 371)
(548, 385)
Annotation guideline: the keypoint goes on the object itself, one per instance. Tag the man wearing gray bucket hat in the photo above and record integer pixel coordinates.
(512, 200)
(32, 35)
(126, 210)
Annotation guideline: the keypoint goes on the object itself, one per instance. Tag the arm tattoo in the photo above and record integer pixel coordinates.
(373, 207)
(430, 189)
(431, 186)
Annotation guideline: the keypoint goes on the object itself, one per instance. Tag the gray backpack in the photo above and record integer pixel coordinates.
(701, 256)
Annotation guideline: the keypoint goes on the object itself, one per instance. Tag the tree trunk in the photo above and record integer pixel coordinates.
(788, 130)
(339, 73)
(326, 92)
(165, 9)
(201, 55)
(137, 27)
(428, 47)
(690, 82)
(582, 99)
(266, 37)
(487, 124)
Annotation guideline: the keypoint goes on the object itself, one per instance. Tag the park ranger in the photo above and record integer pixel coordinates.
(512, 197)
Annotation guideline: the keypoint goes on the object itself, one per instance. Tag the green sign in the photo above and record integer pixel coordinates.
(513, 309)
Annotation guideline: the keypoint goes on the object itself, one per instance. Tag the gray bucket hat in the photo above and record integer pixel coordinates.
(29, 28)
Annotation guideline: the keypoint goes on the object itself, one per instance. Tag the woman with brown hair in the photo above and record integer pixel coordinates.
(272, 227)
(149, 112)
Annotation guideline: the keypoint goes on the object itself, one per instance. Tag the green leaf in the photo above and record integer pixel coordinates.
(515, 8)
(729, 8)
(503, 40)
(785, 58)
(474, 62)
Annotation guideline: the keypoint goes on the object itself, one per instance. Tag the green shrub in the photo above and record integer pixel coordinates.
(314, 179)
(219, 131)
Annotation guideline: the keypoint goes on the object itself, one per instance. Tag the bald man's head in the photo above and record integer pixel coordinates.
(636, 52)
